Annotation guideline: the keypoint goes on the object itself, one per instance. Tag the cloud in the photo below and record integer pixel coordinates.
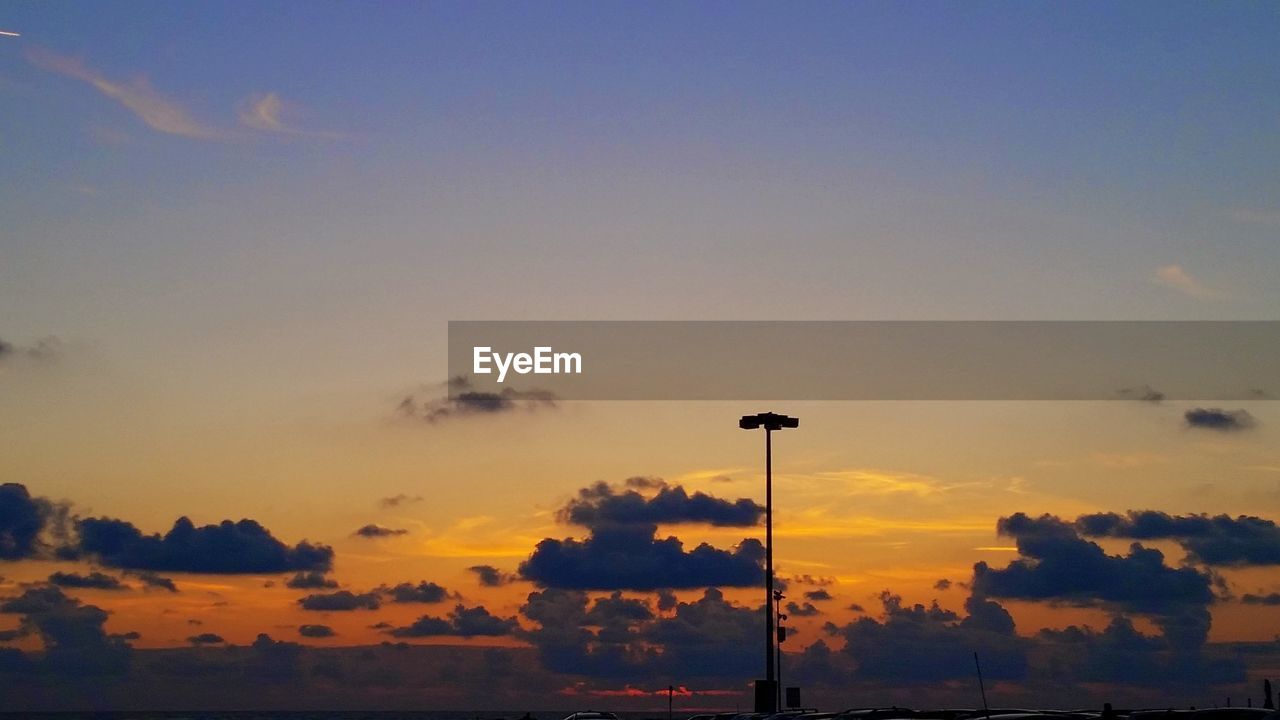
(1219, 419)
(341, 601)
(274, 660)
(943, 584)
(806, 610)
(206, 639)
(226, 548)
(1146, 393)
(94, 580)
(157, 112)
(1211, 540)
(818, 595)
(76, 643)
(266, 112)
(1121, 654)
(462, 402)
(423, 592)
(1057, 565)
(310, 580)
(1269, 599)
(920, 644)
(45, 350)
(816, 581)
(1177, 278)
(150, 579)
(22, 519)
(396, 501)
(618, 637)
(632, 557)
(377, 531)
(316, 631)
(462, 622)
(601, 504)
(490, 576)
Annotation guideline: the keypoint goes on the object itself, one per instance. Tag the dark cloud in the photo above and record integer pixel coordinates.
(462, 622)
(1058, 565)
(341, 600)
(150, 579)
(396, 501)
(601, 505)
(46, 349)
(1212, 540)
(1219, 419)
(943, 584)
(813, 580)
(316, 631)
(423, 592)
(817, 595)
(632, 557)
(377, 531)
(806, 610)
(206, 639)
(37, 600)
(490, 576)
(461, 401)
(76, 643)
(1146, 393)
(274, 660)
(226, 548)
(22, 519)
(94, 580)
(311, 580)
(919, 643)
(618, 637)
(1121, 654)
(666, 600)
(1269, 599)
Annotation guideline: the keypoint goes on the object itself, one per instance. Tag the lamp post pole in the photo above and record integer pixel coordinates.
(770, 422)
(768, 556)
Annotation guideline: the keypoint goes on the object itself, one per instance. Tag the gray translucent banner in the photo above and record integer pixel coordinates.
(868, 360)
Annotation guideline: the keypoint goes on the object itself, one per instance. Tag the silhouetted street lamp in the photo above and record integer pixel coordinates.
(770, 422)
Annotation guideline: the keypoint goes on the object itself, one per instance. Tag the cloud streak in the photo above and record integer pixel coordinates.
(1177, 278)
(267, 112)
(153, 109)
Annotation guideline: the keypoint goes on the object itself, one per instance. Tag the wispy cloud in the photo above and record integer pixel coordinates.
(267, 112)
(156, 111)
(1177, 278)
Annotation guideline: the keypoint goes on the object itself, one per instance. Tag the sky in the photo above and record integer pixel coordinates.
(233, 235)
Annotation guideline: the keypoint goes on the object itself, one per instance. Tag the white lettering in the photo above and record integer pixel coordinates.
(543, 361)
(478, 361)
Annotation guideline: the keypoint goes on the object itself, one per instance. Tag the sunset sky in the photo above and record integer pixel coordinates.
(232, 235)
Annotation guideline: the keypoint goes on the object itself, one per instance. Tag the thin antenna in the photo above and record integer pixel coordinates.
(981, 687)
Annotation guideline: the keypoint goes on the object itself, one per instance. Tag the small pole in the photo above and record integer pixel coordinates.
(670, 694)
(981, 688)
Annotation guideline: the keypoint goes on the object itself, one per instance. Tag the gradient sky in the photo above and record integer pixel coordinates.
(233, 233)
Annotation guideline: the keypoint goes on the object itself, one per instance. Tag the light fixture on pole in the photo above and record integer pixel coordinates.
(767, 692)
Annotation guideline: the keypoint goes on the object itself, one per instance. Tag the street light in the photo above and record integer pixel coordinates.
(766, 697)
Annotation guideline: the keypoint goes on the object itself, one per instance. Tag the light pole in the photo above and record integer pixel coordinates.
(766, 697)
(782, 637)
